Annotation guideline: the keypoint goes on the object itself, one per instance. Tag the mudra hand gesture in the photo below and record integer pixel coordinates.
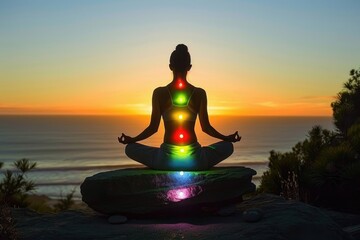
(124, 139)
(233, 137)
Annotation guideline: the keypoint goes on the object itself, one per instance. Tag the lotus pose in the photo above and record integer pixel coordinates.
(178, 104)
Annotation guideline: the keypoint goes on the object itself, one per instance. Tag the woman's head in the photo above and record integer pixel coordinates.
(180, 60)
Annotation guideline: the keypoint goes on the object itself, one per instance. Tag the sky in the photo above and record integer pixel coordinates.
(272, 58)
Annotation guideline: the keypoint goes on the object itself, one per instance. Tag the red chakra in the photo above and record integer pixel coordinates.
(181, 136)
(180, 84)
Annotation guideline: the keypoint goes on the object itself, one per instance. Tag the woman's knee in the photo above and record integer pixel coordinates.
(130, 149)
(230, 147)
(226, 148)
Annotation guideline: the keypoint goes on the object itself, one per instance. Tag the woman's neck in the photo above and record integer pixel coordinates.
(179, 76)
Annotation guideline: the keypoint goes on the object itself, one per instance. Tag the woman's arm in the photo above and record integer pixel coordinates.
(153, 126)
(205, 123)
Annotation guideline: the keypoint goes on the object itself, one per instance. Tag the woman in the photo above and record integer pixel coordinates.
(179, 103)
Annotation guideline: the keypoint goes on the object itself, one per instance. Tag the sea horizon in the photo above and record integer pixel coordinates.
(70, 148)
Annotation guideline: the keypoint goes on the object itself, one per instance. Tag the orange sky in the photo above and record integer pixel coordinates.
(252, 59)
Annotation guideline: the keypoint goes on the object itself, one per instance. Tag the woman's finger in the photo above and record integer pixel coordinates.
(236, 136)
(122, 138)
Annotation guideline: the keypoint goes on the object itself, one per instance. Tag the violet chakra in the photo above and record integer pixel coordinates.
(176, 195)
(182, 193)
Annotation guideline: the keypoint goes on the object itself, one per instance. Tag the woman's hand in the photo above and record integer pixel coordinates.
(233, 137)
(124, 139)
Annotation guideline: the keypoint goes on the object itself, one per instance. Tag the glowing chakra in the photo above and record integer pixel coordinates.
(181, 173)
(181, 136)
(182, 150)
(181, 116)
(176, 195)
(180, 84)
(181, 195)
(180, 99)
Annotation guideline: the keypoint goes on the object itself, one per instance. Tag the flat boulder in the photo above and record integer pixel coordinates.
(141, 191)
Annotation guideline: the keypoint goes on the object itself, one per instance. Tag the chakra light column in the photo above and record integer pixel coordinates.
(181, 136)
(181, 151)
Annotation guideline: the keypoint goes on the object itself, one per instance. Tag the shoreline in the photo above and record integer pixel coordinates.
(41, 203)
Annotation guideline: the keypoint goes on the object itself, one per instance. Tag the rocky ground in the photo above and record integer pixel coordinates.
(281, 220)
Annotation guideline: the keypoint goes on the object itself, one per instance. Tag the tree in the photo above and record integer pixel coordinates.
(324, 169)
(346, 109)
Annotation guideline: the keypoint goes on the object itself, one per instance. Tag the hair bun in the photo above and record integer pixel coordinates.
(181, 48)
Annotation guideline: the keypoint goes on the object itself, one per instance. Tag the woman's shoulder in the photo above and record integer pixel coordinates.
(160, 90)
(164, 90)
(199, 91)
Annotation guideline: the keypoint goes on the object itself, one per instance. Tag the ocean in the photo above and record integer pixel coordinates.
(67, 149)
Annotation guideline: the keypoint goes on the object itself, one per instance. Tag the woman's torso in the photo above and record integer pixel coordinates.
(179, 109)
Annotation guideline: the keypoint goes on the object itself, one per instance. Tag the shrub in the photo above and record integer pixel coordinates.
(324, 169)
(66, 202)
(15, 186)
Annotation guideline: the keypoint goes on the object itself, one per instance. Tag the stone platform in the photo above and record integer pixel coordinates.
(141, 191)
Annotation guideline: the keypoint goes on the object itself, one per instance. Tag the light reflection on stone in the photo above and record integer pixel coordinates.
(176, 195)
(179, 194)
(178, 185)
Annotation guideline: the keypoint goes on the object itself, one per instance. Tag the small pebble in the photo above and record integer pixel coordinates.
(252, 215)
(116, 219)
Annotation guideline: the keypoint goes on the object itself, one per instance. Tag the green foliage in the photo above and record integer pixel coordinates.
(324, 169)
(14, 187)
(329, 166)
(283, 167)
(319, 170)
(24, 165)
(353, 136)
(65, 202)
(318, 139)
(351, 172)
(286, 169)
(346, 109)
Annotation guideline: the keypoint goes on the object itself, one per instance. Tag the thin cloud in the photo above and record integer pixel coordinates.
(268, 104)
(318, 98)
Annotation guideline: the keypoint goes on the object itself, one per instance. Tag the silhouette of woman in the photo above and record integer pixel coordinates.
(178, 104)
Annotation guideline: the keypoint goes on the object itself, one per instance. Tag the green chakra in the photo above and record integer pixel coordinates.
(180, 99)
